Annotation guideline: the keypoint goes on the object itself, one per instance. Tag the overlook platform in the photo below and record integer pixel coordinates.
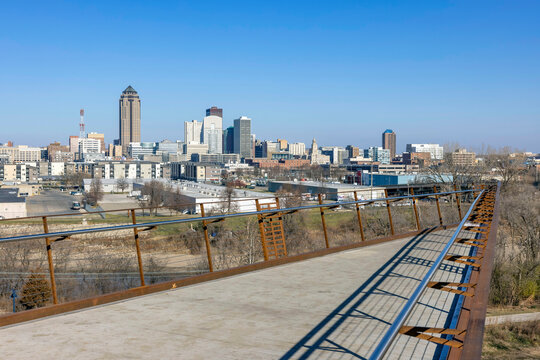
(333, 307)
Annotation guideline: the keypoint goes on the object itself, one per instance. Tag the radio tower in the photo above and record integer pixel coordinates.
(82, 135)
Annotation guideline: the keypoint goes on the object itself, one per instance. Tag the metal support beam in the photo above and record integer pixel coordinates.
(138, 247)
(415, 211)
(207, 240)
(48, 242)
(359, 217)
(389, 213)
(438, 205)
(323, 222)
(261, 230)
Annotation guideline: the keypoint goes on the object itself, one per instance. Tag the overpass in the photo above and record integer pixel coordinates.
(418, 295)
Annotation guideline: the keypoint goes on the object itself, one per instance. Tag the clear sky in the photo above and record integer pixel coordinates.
(339, 71)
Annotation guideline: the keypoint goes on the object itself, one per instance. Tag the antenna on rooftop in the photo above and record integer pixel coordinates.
(82, 135)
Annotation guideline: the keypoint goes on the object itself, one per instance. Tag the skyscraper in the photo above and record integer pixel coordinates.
(130, 118)
(214, 111)
(213, 134)
(193, 132)
(228, 140)
(242, 137)
(389, 142)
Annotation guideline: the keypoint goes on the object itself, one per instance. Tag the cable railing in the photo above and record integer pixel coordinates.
(477, 219)
(270, 217)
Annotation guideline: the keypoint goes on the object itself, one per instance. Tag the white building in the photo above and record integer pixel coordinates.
(195, 149)
(435, 150)
(298, 149)
(193, 132)
(213, 134)
(137, 150)
(11, 205)
(87, 145)
(21, 153)
(193, 194)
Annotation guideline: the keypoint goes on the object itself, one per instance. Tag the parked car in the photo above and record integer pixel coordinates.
(76, 205)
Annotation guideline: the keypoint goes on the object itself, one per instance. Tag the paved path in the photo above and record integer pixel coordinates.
(512, 318)
(332, 307)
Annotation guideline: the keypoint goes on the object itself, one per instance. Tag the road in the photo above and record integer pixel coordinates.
(51, 202)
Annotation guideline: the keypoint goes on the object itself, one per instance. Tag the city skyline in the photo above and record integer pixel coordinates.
(432, 72)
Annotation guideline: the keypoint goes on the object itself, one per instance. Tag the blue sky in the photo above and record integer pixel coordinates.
(340, 71)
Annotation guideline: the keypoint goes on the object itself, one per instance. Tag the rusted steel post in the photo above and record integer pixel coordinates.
(438, 205)
(389, 212)
(50, 260)
(415, 210)
(206, 240)
(359, 217)
(137, 247)
(323, 222)
(261, 230)
(458, 203)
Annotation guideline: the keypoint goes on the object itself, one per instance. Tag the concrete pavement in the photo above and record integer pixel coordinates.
(332, 307)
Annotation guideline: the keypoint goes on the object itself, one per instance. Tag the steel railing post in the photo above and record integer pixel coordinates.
(359, 217)
(438, 205)
(319, 196)
(260, 220)
(458, 202)
(415, 210)
(206, 239)
(48, 242)
(137, 247)
(389, 212)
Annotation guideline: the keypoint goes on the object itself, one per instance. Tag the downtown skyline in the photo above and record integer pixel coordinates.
(432, 73)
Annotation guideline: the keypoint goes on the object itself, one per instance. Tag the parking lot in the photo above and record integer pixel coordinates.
(51, 202)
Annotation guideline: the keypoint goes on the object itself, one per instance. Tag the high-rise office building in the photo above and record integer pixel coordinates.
(228, 140)
(435, 150)
(297, 149)
(213, 134)
(130, 118)
(193, 132)
(100, 137)
(353, 151)
(242, 137)
(214, 111)
(389, 142)
(379, 154)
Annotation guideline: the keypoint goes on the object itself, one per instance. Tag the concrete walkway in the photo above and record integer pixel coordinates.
(332, 307)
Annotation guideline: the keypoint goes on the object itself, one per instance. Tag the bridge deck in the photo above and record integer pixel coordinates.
(333, 307)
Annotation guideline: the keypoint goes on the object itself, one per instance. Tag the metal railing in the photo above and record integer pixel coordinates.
(407, 309)
(209, 218)
(137, 228)
(478, 219)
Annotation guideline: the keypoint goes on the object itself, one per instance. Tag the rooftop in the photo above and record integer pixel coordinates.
(10, 196)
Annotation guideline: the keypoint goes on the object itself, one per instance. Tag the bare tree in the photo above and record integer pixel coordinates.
(154, 192)
(174, 200)
(95, 194)
(227, 204)
(508, 168)
(122, 184)
(74, 178)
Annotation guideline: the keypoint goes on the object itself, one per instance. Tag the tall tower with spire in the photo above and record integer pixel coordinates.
(130, 118)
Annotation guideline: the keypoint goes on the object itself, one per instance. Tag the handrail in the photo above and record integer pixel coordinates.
(233, 200)
(64, 234)
(405, 312)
